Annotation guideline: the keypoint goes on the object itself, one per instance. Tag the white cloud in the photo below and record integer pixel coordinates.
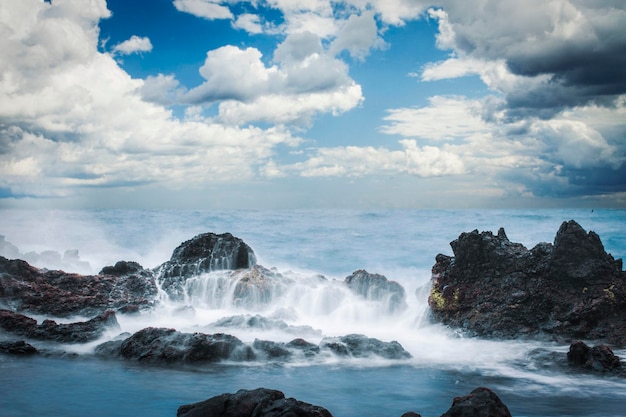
(206, 9)
(251, 23)
(358, 35)
(133, 45)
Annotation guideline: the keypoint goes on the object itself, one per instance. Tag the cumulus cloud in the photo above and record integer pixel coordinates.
(206, 9)
(133, 45)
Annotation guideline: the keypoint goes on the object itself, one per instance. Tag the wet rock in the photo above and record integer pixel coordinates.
(308, 349)
(168, 346)
(497, 288)
(378, 288)
(258, 286)
(481, 402)
(204, 253)
(256, 321)
(19, 347)
(271, 350)
(360, 346)
(79, 332)
(57, 293)
(599, 358)
(261, 402)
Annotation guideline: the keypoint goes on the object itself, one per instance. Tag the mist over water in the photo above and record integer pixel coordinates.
(313, 252)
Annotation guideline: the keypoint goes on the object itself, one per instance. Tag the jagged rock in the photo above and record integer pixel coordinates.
(379, 288)
(26, 288)
(493, 287)
(79, 332)
(261, 402)
(19, 347)
(259, 322)
(258, 286)
(271, 350)
(360, 346)
(204, 253)
(481, 402)
(167, 346)
(599, 358)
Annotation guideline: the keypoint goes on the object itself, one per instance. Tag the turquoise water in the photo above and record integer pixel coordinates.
(398, 244)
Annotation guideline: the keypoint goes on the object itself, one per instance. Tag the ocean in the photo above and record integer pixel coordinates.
(301, 245)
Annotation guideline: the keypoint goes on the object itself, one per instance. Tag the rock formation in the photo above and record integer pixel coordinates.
(378, 288)
(39, 291)
(481, 402)
(496, 288)
(261, 402)
(599, 358)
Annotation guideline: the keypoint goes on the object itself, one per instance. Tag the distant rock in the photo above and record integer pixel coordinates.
(481, 402)
(378, 288)
(496, 288)
(204, 253)
(57, 293)
(360, 346)
(79, 332)
(261, 402)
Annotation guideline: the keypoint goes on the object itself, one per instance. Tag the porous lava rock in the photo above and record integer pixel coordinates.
(260, 402)
(78, 332)
(599, 358)
(378, 288)
(204, 253)
(25, 288)
(481, 402)
(492, 287)
(17, 347)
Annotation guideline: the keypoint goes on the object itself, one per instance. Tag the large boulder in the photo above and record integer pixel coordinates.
(78, 332)
(378, 288)
(599, 358)
(168, 346)
(204, 253)
(481, 402)
(569, 290)
(261, 402)
(57, 293)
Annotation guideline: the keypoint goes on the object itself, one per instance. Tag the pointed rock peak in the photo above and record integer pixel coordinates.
(571, 236)
(502, 234)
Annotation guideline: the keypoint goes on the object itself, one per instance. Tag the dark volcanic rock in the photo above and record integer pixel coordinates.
(377, 287)
(360, 346)
(261, 402)
(167, 346)
(599, 358)
(26, 288)
(204, 253)
(493, 287)
(18, 347)
(79, 332)
(482, 402)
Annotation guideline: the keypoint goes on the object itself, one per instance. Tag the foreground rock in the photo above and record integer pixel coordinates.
(377, 288)
(204, 253)
(79, 332)
(18, 347)
(571, 289)
(482, 402)
(261, 402)
(28, 289)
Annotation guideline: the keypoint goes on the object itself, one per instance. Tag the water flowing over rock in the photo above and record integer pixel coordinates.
(378, 288)
(261, 402)
(26, 288)
(599, 358)
(204, 253)
(481, 402)
(79, 332)
(569, 290)
(360, 346)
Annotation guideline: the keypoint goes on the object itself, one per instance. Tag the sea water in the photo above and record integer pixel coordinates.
(315, 250)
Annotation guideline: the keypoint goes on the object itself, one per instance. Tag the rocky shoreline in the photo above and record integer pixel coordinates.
(566, 291)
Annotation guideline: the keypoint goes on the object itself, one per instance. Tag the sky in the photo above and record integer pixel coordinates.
(312, 104)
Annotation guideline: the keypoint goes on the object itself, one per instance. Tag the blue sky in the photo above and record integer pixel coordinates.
(312, 103)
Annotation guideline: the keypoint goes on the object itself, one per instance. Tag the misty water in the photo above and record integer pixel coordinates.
(303, 246)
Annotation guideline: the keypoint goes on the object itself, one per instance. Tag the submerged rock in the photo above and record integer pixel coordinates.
(360, 346)
(26, 288)
(493, 287)
(261, 402)
(79, 332)
(481, 402)
(378, 288)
